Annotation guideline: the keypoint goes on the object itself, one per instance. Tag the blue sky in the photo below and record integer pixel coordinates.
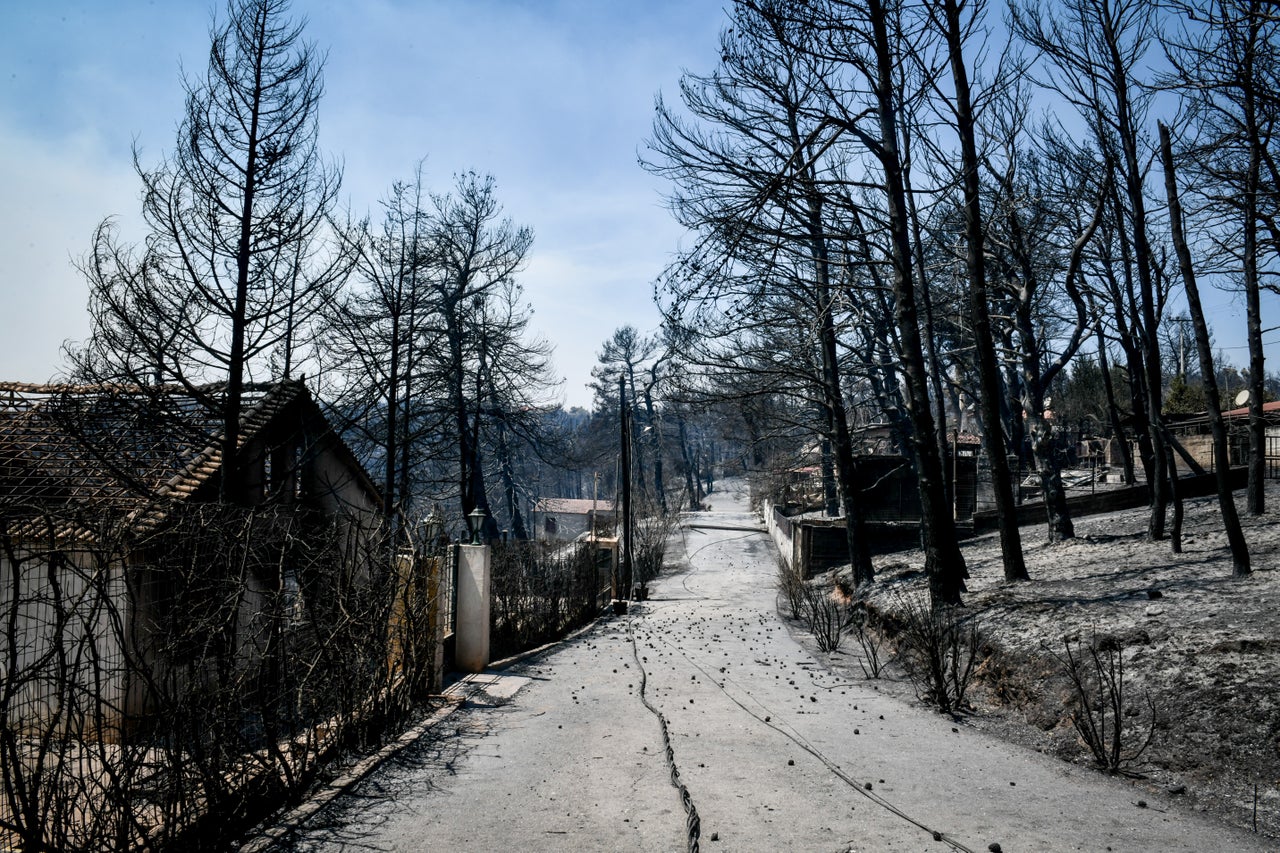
(552, 97)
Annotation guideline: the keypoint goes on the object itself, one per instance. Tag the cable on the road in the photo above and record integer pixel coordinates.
(802, 742)
(689, 554)
(789, 733)
(693, 823)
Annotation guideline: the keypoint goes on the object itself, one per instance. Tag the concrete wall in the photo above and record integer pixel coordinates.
(1109, 501)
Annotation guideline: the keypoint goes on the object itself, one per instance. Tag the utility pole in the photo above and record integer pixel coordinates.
(1182, 345)
(624, 423)
(595, 498)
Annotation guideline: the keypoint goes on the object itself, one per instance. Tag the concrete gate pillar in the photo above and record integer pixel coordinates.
(471, 631)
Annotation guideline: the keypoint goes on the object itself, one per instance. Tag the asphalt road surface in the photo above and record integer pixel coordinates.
(771, 751)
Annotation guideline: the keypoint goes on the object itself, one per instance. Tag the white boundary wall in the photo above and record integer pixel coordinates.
(782, 533)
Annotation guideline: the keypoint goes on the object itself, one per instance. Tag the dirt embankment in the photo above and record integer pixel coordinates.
(1198, 646)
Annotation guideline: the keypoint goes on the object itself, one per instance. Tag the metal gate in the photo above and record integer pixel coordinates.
(1272, 453)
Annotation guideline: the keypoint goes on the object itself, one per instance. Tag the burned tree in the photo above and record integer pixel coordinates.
(478, 317)
(1221, 453)
(378, 339)
(752, 175)
(1093, 51)
(1227, 65)
(234, 264)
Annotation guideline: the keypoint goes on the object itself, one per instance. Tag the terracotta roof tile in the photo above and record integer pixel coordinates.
(573, 506)
(129, 449)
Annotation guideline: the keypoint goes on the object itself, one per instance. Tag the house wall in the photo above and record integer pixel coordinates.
(568, 525)
(332, 486)
(1199, 448)
(63, 633)
(336, 488)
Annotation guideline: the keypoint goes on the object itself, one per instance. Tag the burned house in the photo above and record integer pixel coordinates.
(126, 579)
(1194, 435)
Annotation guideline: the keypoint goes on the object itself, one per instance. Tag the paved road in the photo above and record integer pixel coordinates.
(560, 753)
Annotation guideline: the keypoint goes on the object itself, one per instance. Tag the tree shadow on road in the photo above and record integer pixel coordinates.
(412, 782)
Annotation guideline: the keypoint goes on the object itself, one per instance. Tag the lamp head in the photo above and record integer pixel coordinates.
(475, 520)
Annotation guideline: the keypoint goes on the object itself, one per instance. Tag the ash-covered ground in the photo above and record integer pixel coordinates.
(1202, 645)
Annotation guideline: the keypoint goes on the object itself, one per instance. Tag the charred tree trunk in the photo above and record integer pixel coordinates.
(1113, 406)
(1175, 495)
(830, 493)
(655, 447)
(945, 450)
(391, 438)
(1253, 314)
(1129, 336)
(518, 530)
(691, 482)
(1057, 516)
(461, 423)
(833, 399)
(943, 561)
(1148, 311)
(988, 364)
(1221, 452)
(406, 435)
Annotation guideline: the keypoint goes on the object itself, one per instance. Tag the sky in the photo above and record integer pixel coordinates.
(554, 98)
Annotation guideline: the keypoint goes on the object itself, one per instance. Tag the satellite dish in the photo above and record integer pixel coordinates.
(1242, 399)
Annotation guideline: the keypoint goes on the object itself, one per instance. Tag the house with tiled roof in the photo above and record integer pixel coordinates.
(137, 451)
(109, 507)
(565, 519)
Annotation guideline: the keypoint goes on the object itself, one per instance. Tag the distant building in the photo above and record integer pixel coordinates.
(565, 519)
(1194, 433)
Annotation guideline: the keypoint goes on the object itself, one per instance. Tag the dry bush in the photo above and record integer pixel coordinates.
(827, 613)
(830, 612)
(939, 649)
(539, 591)
(1099, 707)
(649, 543)
(869, 640)
(791, 587)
